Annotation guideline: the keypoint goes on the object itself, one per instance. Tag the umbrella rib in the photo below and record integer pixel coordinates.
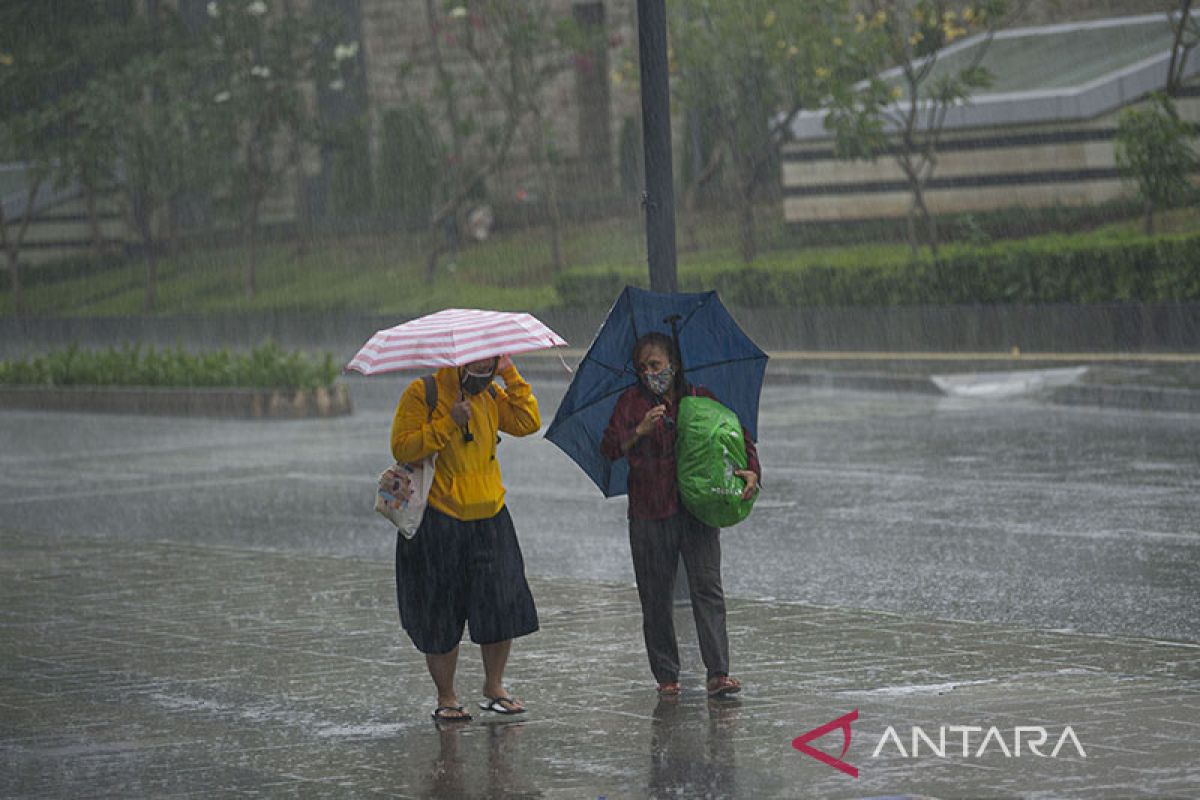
(619, 389)
(600, 399)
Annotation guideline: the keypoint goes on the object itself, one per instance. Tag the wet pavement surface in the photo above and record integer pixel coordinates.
(167, 670)
(198, 607)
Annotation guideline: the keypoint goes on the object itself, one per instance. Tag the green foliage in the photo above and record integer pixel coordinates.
(1154, 151)
(1058, 270)
(408, 163)
(259, 60)
(976, 228)
(352, 191)
(591, 289)
(513, 52)
(156, 124)
(382, 274)
(903, 115)
(265, 367)
(1138, 271)
(751, 67)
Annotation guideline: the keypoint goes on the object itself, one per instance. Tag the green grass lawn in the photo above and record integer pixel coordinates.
(386, 274)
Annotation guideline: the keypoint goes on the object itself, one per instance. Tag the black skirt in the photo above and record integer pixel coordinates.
(453, 573)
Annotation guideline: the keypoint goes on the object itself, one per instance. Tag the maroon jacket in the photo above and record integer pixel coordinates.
(653, 492)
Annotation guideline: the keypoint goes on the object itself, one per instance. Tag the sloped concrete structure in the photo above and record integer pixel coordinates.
(1041, 136)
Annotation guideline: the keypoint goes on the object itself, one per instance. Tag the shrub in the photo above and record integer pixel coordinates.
(266, 367)
(591, 289)
(1066, 270)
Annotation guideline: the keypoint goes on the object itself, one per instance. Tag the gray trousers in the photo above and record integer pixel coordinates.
(656, 545)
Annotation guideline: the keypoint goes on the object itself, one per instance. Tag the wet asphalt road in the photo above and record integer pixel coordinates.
(1054, 517)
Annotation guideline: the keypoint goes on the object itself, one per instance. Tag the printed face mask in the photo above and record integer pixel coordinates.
(474, 384)
(659, 382)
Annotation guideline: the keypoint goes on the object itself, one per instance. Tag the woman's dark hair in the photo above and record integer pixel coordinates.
(667, 345)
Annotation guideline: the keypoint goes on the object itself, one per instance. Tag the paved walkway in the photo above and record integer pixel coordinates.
(162, 670)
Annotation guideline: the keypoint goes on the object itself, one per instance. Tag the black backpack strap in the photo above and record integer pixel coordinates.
(431, 395)
(492, 390)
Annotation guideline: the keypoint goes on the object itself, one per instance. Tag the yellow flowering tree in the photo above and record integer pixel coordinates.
(748, 68)
(903, 112)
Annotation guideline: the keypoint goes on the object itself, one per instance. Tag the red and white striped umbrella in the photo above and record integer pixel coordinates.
(451, 338)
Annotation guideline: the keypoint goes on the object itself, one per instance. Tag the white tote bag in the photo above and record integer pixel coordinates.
(404, 488)
(403, 492)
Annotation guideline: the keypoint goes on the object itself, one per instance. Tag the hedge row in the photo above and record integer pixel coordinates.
(266, 367)
(1135, 271)
(977, 228)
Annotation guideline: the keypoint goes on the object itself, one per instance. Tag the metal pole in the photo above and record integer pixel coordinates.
(659, 197)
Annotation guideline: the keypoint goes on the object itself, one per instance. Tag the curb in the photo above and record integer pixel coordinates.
(797, 369)
(1148, 398)
(183, 402)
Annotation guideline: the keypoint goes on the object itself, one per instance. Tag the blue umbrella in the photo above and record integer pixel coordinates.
(716, 353)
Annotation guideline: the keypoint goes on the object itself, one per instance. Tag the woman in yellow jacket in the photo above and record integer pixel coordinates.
(464, 564)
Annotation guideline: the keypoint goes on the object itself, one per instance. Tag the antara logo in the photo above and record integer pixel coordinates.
(1033, 737)
(843, 723)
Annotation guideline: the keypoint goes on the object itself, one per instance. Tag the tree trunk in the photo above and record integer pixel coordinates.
(12, 247)
(14, 281)
(930, 223)
(691, 198)
(556, 237)
(250, 268)
(151, 298)
(1178, 52)
(436, 246)
(173, 227)
(747, 241)
(95, 237)
(910, 231)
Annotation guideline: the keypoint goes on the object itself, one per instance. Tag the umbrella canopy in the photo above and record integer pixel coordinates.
(451, 338)
(715, 352)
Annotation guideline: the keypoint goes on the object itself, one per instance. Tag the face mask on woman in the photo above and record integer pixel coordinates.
(659, 382)
(476, 382)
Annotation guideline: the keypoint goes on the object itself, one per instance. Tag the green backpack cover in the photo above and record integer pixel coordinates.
(708, 448)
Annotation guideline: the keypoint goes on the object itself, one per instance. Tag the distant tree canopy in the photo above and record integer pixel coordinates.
(749, 68)
(120, 94)
(1154, 150)
(903, 113)
(49, 52)
(504, 55)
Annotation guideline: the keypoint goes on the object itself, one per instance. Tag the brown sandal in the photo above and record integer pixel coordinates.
(669, 689)
(723, 685)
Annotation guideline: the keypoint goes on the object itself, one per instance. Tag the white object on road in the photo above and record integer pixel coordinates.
(1006, 384)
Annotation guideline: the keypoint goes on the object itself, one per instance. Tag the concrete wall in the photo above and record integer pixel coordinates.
(978, 169)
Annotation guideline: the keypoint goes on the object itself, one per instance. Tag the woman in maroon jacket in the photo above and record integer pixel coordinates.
(642, 431)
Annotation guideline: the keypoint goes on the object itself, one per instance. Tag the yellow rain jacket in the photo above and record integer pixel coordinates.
(466, 483)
